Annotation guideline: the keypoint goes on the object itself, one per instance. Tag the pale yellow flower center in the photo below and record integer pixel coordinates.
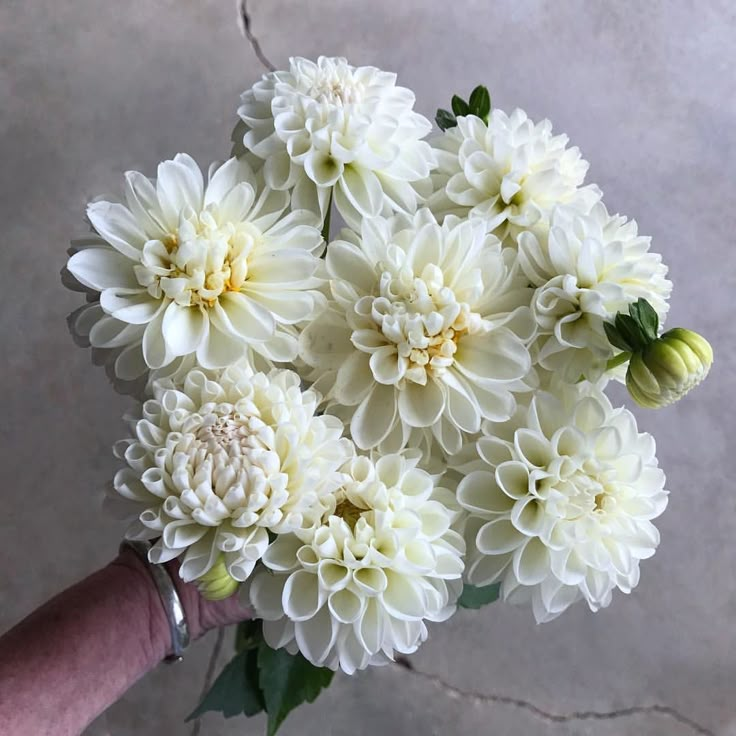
(348, 512)
(423, 318)
(199, 262)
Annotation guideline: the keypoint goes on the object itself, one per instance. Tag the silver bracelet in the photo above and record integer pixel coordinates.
(169, 598)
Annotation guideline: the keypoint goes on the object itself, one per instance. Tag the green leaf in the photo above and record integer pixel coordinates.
(286, 681)
(248, 635)
(480, 102)
(474, 597)
(643, 312)
(614, 338)
(631, 332)
(445, 119)
(235, 691)
(459, 106)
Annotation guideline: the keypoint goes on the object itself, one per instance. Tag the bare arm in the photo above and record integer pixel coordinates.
(79, 652)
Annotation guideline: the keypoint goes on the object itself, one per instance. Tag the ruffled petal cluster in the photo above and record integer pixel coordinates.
(183, 267)
(360, 586)
(326, 126)
(588, 268)
(425, 329)
(218, 463)
(561, 502)
(511, 171)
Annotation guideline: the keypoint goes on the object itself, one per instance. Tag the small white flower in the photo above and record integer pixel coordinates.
(218, 462)
(561, 502)
(359, 587)
(184, 268)
(327, 124)
(511, 171)
(589, 268)
(426, 328)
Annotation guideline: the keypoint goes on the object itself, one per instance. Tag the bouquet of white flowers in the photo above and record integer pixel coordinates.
(364, 430)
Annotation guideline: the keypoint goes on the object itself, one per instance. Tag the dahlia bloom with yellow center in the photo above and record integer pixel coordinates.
(218, 270)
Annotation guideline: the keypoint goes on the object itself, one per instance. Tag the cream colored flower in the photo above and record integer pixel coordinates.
(561, 502)
(425, 329)
(360, 586)
(588, 269)
(512, 172)
(218, 463)
(327, 126)
(183, 268)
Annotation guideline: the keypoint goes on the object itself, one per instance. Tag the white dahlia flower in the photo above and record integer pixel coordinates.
(425, 328)
(359, 587)
(589, 268)
(561, 502)
(327, 126)
(216, 465)
(511, 171)
(185, 267)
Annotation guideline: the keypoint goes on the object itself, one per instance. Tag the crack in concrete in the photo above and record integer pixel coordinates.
(583, 715)
(246, 29)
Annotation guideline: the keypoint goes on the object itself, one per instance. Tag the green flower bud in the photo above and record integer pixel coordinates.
(217, 584)
(667, 368)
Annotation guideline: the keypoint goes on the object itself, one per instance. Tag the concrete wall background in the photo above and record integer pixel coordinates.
(90, 89)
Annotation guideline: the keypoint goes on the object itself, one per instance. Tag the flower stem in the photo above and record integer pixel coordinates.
(618, 360)
(328, 216)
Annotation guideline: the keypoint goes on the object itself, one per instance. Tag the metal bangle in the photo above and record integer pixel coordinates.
(169, 598)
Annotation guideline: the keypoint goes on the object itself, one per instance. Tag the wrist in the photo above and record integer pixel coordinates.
(206, 614)
(201, 615)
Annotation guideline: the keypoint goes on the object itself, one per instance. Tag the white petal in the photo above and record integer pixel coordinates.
(497, 537)
(116, 224)
(225, 178)
(374, 417)
(102, 268)
(142, 200)
(301, 598)
(500, 356)
(288, 307)
(154, 345)
(354, 379)
(134, 306)
(183, 328)
(316, 636)
(346, 262)
(345, 606)
(363, 190)
(322, 169)
(403, 597)
(479, 493)
(386, 365)
(531, 563)
(179, 184)
(283, 266)
(218, 350)
(421, 406)
(244, 316)
(265, 595)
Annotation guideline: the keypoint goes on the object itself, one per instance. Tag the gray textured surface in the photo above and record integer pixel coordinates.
(647, 91)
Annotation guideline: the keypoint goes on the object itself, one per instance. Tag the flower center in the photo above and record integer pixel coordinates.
(579, 494)
(348, 512)
(423, 318)
(334, 88)
(199, 262)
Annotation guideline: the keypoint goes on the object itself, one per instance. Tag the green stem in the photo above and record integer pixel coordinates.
(328, 216)
(618, 360)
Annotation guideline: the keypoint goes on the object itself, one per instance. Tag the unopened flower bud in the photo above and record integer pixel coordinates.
(217, 584)
(666, 369)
